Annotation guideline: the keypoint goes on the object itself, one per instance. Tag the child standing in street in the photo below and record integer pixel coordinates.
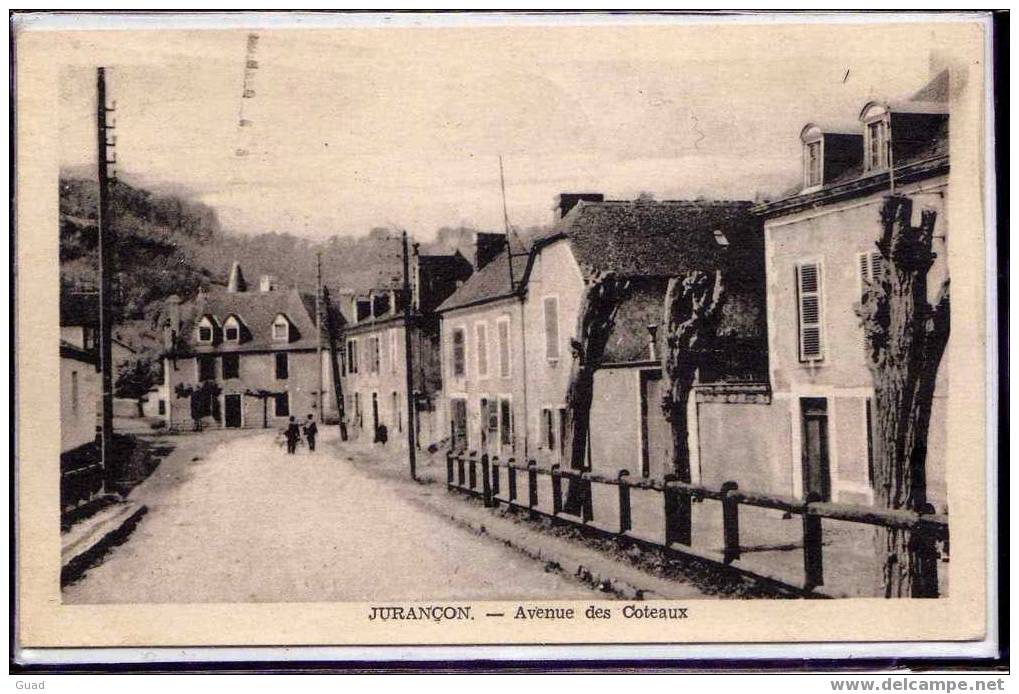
(310, 430)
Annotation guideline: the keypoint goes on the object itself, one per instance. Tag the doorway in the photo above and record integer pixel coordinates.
(232, 411)
(458, 424)
(816, 470)
(655, 431)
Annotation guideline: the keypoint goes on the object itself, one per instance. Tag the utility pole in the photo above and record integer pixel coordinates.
(408, 363)
(318, 327)
(107, 241)
(506, 225)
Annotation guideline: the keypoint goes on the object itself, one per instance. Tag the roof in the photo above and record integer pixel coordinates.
(489, 283)
(657, 238)
(257, 310)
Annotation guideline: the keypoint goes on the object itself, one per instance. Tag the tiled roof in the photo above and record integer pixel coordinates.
(257, 311)
(489, 283)
(70, 351)
(657, 238)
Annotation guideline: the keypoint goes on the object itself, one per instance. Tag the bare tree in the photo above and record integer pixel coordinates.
(906, 338)
(692, 310)
(599, 302)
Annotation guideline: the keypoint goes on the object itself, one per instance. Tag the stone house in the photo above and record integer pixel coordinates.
(820, 247)
(483, 357)
(646, 242)
(256, 348)
(374, 356)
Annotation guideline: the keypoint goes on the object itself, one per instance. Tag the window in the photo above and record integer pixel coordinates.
(877, 145)
(231, 366)
(809, 284)
(506, 424)
(357, 411)
(551, 306)
(394, 349)
(282, 366)
(74, 392)
(869, 267)
(397, 417)
(373, 355)
(88, 336)
(206, 367)
(459, 367)
(503, 329)
(232, 329)
(162, 406)
(812, 164)
(492, 420)
(562, 433)
(481, 335)
(281, 329)
(352, 356)
(282, 401)
(205, 331)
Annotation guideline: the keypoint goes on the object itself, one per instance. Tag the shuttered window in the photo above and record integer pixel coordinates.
(551, 305)
(503, 327)
(481, 333)
(458, 352)
(808, 276)
(868, 267)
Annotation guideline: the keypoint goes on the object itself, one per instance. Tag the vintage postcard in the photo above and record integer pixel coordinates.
(354, 330)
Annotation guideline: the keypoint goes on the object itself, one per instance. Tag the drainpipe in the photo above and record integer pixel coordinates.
(523, 361)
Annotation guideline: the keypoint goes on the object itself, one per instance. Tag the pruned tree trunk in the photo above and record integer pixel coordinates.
(598, 305)
(693, 308)
(905, 337)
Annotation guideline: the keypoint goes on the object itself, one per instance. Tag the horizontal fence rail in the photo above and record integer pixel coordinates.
(482, 476)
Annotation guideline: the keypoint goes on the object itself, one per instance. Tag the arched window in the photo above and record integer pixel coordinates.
(206, 330)
(281, 329)
(232, 329)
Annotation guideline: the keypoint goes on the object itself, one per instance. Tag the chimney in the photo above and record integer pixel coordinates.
(267, 283)
(567, 201)
(236, 283)
(486, 247)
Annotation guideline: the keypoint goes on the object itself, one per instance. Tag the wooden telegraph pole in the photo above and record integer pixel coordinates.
(318, 327)
(407, 299)
(107, 241)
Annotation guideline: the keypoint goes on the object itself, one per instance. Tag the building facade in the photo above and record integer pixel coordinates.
(374, 354)
(820, 249)
(243, 359)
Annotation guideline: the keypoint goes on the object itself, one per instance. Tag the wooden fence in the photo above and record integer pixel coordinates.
(462, 473)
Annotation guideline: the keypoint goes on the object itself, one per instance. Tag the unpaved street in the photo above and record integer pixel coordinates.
(247, 523)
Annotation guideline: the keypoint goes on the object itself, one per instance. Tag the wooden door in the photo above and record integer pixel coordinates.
(656, 432)
(458, 424)
(232, 410)
(816, 473)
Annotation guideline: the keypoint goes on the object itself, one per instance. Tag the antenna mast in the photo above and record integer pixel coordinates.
(506, 225)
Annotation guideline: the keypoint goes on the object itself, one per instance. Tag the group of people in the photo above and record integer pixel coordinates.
(293, 434)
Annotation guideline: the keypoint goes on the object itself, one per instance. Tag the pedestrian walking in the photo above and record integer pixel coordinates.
(310, 430)
(293, 434)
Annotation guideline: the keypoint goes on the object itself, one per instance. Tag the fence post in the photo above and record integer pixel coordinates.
(449, 469)
(926, 547)
(495, 480)
(460, 474)
(486, 481)
(677, 513)
(813, 565)
(625, 521)
(511, 474)
(730, 522)
(587, 504)
(532, 488)
(557, 490)
(472, 469)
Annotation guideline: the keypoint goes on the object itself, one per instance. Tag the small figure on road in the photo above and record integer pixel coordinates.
(293, 434)
(381, 434)
(310, 430)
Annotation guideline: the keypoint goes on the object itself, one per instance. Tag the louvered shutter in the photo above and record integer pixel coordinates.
(809, 285)
(869, 267)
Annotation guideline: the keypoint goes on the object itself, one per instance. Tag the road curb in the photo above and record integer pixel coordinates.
(88, 540)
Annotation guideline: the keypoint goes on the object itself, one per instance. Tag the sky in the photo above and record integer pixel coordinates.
(357, 128)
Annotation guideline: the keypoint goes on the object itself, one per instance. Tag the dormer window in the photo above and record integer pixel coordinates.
(281, 329)
(877, 145)
(206, 330)
(232, 329)
(812, 164)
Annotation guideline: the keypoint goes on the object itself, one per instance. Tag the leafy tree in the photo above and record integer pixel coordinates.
(135, 378)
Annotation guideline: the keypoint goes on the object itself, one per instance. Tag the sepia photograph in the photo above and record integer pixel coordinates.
(533, 331)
